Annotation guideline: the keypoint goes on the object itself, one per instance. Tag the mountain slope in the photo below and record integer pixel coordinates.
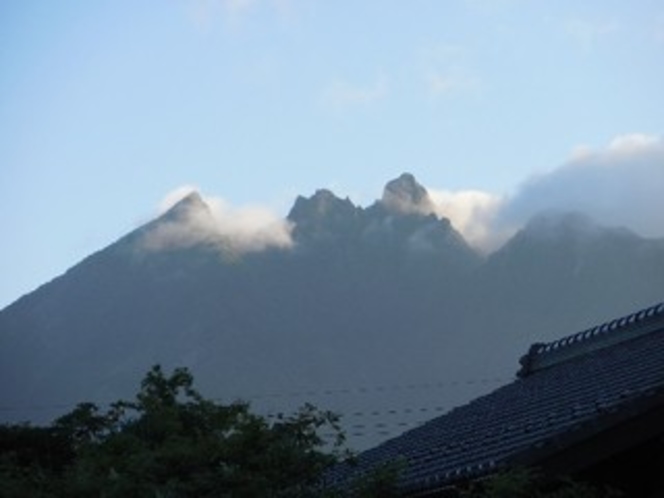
(362, 304)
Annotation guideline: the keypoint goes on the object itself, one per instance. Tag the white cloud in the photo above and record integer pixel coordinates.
(237, 7)
(175, 196)
(491, 6)
(233, 13)
(451, 82)
(446, 71)
(618, 185)
(472, 213)
(588, 33)
(633, 144)
(205, 13)
(216, 223)
(340, 94)
(658, 30)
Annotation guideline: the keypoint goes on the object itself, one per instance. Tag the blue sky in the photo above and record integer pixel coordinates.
(107, 106)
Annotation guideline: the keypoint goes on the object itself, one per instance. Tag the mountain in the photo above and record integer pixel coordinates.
(565, 265)
(382, 313)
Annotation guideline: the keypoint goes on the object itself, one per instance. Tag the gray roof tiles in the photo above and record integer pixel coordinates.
(549, 400)
(598, 337)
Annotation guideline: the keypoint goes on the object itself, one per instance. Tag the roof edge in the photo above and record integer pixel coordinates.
(544, 355)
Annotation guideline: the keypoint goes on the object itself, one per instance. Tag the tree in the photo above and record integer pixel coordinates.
(171, 442)
(32, 459)
(528, 483)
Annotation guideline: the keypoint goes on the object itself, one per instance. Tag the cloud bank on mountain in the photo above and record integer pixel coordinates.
(620, 184)
(473, 213)
(213, 221)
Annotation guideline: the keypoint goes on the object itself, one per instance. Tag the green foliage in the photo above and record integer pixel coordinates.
(169, 442)
(32, 460)
(381, 482)
(526, 483)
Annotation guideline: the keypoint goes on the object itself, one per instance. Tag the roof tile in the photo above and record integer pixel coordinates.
(564, 386)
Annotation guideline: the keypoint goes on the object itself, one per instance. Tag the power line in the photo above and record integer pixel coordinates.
(336, 391)
(377, 413)
(340, 391)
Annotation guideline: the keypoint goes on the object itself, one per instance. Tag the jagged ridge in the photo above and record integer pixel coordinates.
(366, 296)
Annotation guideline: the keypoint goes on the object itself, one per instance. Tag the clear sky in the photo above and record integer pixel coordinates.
(107, 106)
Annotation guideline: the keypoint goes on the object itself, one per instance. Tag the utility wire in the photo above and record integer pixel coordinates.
(379, 388)
(362, 390)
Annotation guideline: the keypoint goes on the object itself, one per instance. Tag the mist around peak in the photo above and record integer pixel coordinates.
(405, 195)
(191, 219)
(554, 223)
(619, 185)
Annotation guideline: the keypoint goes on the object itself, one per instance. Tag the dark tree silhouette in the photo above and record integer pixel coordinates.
(170, 442)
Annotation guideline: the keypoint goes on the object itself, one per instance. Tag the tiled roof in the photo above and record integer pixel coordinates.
(565, 388)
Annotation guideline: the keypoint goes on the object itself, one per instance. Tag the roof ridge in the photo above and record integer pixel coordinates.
(543, 355)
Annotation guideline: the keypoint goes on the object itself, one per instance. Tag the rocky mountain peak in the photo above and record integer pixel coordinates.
(405, 195)
(322, 205)
(190, 203)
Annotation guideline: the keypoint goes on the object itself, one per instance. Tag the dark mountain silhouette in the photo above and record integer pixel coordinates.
(383, 313)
